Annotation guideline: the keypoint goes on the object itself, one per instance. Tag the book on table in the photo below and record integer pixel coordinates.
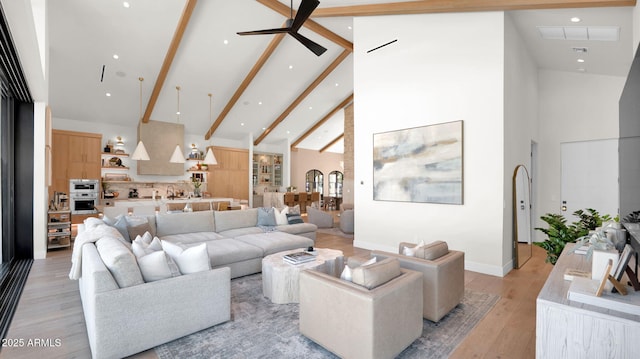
(299, 257)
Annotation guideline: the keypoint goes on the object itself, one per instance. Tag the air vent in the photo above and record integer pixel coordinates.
(584, 33)
(580, 50)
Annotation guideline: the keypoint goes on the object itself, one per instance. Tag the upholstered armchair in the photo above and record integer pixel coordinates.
(353, 321)
(346, 221)
(319, 218)
(443, 277)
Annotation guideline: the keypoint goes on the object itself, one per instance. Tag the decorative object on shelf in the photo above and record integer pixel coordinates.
(177, 156)
(210, 158)
(197, 183)
(140, 153)
(115, 162)
(119, 141)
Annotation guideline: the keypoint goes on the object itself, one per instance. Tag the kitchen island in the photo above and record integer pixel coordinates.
(149, 206)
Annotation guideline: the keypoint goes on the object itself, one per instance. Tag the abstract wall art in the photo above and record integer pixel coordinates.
(421, 164)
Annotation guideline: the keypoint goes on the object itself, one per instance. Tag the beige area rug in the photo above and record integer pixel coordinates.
(261, 329)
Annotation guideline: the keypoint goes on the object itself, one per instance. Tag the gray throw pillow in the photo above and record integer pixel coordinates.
(294, 218)
(266, 217)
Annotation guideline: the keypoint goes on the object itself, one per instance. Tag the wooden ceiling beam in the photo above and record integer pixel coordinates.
(168, 59)
(317, 125)
(273, 45)
(303, 95)
(331, 143)
(442, 6)
(284, 10)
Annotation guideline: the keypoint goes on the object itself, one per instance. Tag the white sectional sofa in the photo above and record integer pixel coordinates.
(124, 319)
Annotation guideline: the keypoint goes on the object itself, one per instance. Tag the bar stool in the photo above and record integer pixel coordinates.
(315, 199)
(302, 201)
(290, 199)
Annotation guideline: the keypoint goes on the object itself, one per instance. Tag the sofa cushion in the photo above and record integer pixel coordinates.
(134, 221)
(266, 217)
(189, 260)
(373, 275)
(298, 228)
(120, 261)
(233, 233)
(273, 242)
(188, 238)
(432, 250)
(227, 220)
(139, 230)
(185, 222)
(227, 251)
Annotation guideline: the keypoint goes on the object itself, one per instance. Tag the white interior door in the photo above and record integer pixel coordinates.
(590, 177)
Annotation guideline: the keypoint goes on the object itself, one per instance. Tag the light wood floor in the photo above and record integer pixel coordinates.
(50, 308)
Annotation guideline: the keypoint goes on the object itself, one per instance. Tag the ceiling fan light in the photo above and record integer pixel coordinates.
(140, 154)
(210, 158)
(177, 156)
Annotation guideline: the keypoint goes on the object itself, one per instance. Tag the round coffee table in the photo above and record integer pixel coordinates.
(280, 279)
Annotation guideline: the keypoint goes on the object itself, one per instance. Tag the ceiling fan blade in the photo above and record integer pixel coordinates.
(310, 44)
(304, 11)
(265, 32)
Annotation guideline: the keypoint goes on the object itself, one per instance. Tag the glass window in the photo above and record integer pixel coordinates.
(313, 181)
(335, 183)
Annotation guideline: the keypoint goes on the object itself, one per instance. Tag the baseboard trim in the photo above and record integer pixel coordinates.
(468, 265)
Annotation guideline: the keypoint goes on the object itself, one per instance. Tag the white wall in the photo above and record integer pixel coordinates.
(444, 67)
(520, 122)
(572, 107)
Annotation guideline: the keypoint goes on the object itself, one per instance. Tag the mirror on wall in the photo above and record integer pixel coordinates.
(521, 216)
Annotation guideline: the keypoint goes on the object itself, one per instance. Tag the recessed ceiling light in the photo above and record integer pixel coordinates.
(178, 112)
(241, 123)
(126, 4)
(575, 19)
(337, 84)
(264, 128)
(349, 27)
(288, 132)
(115, 56)
(226, 42)
(580, 60)
(310, 108)
(259, 102)
(108, 94)
(290, 67)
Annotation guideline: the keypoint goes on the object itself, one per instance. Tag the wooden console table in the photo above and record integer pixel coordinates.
(567, 329)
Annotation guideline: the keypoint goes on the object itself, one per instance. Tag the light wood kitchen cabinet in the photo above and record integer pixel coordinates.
(74, 155)
(230, 177)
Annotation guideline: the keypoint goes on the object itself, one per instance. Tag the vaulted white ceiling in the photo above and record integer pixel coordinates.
(85, 34)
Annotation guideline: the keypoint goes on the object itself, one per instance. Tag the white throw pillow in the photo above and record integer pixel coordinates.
(281, 216)
(155, 266)
(347, 272)
(411, 252)
(190, 260)
(141, 246)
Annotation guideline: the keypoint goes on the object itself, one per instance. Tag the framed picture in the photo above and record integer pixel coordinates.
(625, 256)
(421, 164)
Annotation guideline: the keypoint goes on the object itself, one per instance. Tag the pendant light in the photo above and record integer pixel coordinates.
(177, 156)
(140, 154)
(210, 158)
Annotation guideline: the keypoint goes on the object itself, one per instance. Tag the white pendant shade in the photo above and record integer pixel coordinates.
(177, 156)
(210, 159)
(140, 153)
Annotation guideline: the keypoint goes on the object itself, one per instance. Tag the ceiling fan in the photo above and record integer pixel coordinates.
(293, 25)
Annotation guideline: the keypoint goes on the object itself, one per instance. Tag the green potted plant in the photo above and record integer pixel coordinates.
(560, 233)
